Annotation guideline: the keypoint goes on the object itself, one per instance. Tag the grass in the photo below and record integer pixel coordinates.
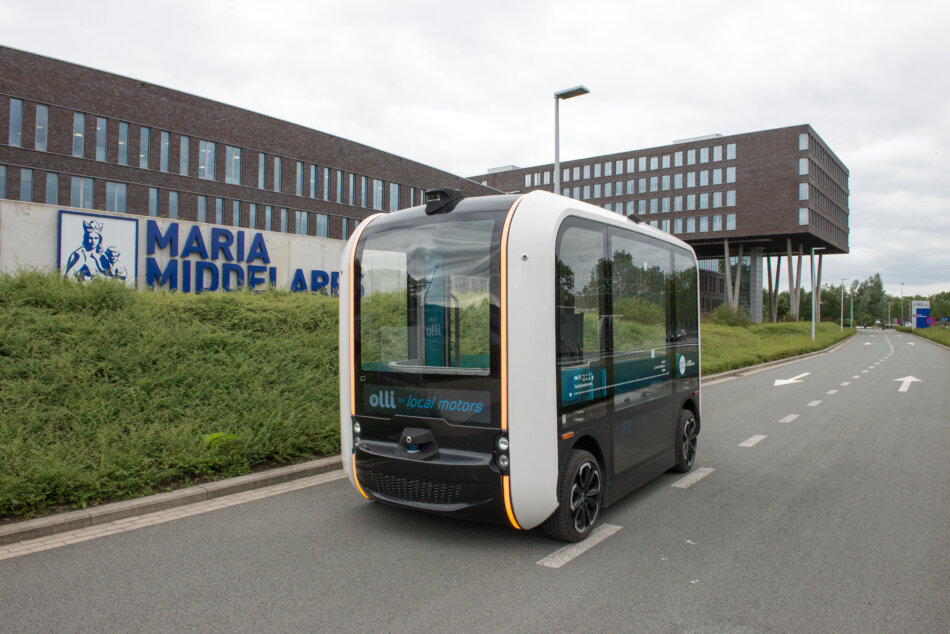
(934, 333)
(109, 393)
(729, 348)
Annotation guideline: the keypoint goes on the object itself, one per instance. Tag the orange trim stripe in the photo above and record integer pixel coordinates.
(503, 305)
(356, 479)
(506, 485)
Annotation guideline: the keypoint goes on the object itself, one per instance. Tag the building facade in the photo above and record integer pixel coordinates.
(86, 139)
(745, 196)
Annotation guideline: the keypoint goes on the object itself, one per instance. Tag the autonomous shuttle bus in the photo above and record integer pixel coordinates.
(521, 359)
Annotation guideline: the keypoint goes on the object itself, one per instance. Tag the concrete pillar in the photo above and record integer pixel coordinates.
(755, 284)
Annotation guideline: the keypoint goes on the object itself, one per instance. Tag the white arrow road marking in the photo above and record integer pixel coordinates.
(794, 379)
(906, 381)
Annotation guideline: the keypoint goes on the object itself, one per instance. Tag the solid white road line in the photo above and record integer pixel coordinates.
(751, 442)
(560, 557)
(789, 418)
(691, 479)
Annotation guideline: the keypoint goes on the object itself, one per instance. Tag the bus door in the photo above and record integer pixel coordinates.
(642, 403)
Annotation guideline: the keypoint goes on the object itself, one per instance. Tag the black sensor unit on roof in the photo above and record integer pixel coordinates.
(442, 201)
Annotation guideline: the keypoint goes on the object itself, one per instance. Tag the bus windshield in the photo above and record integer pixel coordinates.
(425, 305)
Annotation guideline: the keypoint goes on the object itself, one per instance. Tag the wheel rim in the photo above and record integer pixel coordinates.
(585, 497)
(689, 440)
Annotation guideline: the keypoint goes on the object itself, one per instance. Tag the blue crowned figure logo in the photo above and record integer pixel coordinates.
(90, 260)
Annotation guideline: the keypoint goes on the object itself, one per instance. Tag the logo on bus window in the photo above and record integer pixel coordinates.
(455, 406)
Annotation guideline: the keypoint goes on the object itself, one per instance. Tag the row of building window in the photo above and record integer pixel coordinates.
(654, 183)
(809, 217)
(824, 158)
(165, 203)
(807, 166)
(633, 165)
(666, 204)
(820, 200)
(352, 189)
(699, 224)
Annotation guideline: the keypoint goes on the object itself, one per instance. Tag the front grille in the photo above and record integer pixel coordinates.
(414, 491)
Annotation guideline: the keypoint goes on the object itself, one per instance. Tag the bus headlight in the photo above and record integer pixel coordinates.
(356, 428)
(503, 461)
(502, 443)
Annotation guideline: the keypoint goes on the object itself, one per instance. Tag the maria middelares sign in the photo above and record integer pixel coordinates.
(189, 257)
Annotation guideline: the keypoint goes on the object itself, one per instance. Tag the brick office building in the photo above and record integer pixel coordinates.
(83, 138)
(751, 196)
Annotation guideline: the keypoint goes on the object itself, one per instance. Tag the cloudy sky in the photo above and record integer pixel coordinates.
(468, 86)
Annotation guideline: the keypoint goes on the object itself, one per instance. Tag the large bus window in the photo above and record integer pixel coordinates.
(643, 411)
(639, 292)
(426, 303)
(684, 316)
(580, 277)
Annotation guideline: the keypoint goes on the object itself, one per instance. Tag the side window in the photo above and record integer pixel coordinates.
(580, 276)
(640, 292)
(684, 311)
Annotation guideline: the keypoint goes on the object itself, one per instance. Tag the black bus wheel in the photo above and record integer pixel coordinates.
(687, 431)
(579, 494)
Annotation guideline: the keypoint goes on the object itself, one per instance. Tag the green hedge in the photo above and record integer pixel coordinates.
(109, 393)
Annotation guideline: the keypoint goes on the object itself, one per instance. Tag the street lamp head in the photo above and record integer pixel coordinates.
(576, 91)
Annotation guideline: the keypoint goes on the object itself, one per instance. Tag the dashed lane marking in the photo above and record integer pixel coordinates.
(845, 383)
(560, 557)
(753, 441)
(830, 392)
(789, 418)
(814, 404)
(691, 479)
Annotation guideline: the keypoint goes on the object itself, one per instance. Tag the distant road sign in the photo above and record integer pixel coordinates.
(931, 321)
(945, 319)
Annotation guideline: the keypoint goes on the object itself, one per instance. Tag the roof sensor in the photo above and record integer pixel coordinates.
(442, 201)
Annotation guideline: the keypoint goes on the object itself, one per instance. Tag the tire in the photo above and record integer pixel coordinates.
(579, 494)
(687, 431)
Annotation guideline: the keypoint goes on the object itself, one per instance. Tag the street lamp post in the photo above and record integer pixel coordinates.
(852, 307)
(902, 305)
(576, 91)
(813, 282)
(842, 304)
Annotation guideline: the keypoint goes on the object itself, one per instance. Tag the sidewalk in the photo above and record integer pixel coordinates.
(62, 522)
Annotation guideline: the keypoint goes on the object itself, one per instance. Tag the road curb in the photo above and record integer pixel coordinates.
(59, 523)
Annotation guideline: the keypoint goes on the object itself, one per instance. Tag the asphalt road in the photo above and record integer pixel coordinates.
(836, 520)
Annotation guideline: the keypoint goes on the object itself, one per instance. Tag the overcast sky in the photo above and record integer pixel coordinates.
(468, 86)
